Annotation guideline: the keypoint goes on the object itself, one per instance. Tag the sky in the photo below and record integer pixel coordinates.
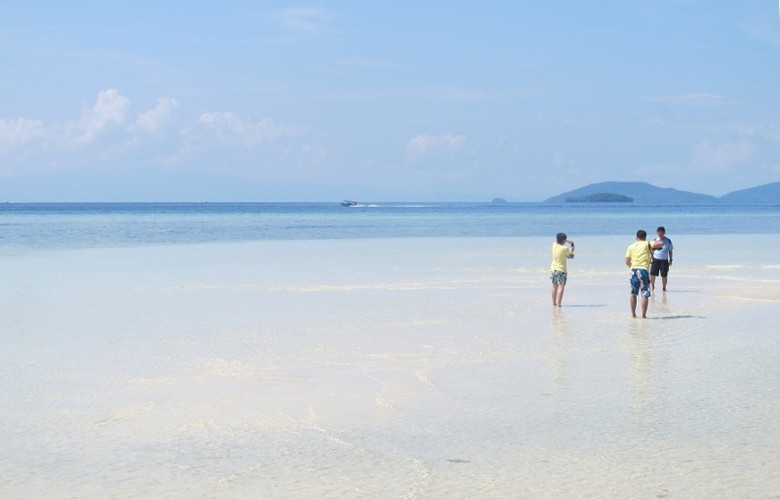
(148, 100)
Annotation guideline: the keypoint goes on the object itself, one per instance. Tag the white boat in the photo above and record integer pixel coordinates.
(349, 203)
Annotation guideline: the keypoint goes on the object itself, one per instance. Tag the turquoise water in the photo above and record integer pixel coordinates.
(128, 224)
(388, 368)
(316, 351)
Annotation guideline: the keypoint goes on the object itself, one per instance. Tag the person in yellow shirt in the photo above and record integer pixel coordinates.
(638, 260)
(560, 254)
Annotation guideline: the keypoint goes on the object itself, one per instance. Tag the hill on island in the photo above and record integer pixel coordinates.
(600, 198)
(766, 194)
(640, 192)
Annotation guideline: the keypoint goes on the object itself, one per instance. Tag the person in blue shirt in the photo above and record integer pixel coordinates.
(662, 258)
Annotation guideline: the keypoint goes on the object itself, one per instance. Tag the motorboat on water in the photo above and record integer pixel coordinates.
(349, 203)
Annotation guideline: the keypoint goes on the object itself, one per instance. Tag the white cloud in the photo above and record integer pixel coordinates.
(721, 157)
(693, 99)
(368, 63)
(19, 132)
(307, 19)
(764, 32)
(559, 159)
(109, 133)
(154, 121)
(455, 94)
(772, 132)
(109, 111)
(423, 145)
(227, 128)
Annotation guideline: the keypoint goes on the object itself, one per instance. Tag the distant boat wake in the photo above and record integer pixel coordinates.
(355, 204)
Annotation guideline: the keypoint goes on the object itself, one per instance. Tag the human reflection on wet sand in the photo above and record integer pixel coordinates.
(659, 303)
(660, 309)
(560, 352)
(639, 346)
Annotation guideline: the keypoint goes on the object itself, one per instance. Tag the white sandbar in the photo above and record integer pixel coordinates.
(416, 368)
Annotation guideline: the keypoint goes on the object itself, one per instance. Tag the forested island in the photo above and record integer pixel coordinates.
(600, 198)
(644, 193)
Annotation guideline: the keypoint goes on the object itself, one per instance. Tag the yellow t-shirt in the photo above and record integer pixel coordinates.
(639, 251)
(560, 254)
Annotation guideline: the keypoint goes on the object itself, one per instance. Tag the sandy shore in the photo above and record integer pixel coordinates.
(420, 368)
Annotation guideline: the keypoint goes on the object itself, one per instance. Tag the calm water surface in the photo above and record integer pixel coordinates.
(388, 350)
(117, 224)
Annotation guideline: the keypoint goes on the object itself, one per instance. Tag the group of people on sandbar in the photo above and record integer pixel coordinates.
(645, 260)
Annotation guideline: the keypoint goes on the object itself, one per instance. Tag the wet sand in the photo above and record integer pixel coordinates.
(415, 368)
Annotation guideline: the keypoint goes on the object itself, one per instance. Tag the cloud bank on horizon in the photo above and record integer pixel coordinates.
(402, 101)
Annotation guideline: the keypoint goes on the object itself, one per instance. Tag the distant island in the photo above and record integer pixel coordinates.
(498, 200)
(644, 193)
(765, 194)
(600, 198)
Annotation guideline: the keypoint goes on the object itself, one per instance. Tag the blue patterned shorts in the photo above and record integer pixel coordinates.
(558, 277)
(640, 280)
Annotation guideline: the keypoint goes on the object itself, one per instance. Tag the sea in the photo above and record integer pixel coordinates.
(78, 225)
(386, 350)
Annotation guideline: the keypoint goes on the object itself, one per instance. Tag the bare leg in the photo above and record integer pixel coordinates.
(652, 282)
(555, 294)
(644, 307)
(633, 306)
(560, 294)
(663, 279)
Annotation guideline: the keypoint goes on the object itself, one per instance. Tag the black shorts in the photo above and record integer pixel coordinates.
(659, 266)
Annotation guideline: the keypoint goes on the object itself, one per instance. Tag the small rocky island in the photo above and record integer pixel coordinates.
(600, 198)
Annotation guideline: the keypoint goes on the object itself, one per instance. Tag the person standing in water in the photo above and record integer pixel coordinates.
(638, 260)
(662, 258)
(558, 272)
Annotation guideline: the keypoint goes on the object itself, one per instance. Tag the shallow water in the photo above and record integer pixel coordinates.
(415, 368)
(26, 226)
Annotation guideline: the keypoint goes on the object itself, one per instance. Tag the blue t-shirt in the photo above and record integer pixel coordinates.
(663, 252)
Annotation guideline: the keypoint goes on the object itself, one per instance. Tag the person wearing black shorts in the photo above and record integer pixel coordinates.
(662, 258)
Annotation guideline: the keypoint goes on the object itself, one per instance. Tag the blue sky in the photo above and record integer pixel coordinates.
(110, 100)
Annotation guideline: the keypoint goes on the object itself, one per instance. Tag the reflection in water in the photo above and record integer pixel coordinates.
(659, 308)
(640, 346)
(559, 359)
(659, 304)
